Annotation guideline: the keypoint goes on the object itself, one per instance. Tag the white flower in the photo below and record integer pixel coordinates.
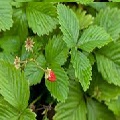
(29, 44)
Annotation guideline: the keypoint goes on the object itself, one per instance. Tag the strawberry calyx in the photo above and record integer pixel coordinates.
(50, 75)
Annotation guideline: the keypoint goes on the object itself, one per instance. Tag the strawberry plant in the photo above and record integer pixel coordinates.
(59, 60)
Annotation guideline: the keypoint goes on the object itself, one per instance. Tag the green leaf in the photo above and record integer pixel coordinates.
(98, 111)
(82, 68)
(10, 44)
(85, 1)
(84, 19)
(74, 107)
(59, 88)
(114, 105)
(7, 57)
(13, 86)
(78, 1)
(115, 0)
(58, 1)
(98, 5)
(69, 25)
(71, 72)
(102, 90)
(32, 71)
(91, 58)
(108, 62)
(109, 19)
(28, 115)
(113, 4)
(20, 25)
(24, 0)
(93, 37)
(7, 111)
(41, 17)
(56, 51)
(5, 15)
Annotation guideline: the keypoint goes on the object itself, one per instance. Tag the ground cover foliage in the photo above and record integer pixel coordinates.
(59, 60)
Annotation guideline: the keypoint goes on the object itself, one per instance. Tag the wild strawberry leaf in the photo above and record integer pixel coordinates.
(84, 19)
(59, 88)
(56, 50)
(108, 62)
(42, 17)
(20, 25)
(93, 37)
(6, 57)
(114, 105)
(98, 111)
(7, 111)
(109, 19)
(27, 115)
(69, 25)
(32, 71)
(10, 44)
(13, 86)
(12, 113)
(74, 107)
(101, 89)
(82, 67)
(5, 15)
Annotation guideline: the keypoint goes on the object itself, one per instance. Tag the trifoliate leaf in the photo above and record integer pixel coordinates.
(32, 71)
(98, 111)
(69, 25)
(59, 88)
(28, 115)
(109, 19)
(74, 107)
(93, 37)
(82, 68)
(5, 15)
(108, 62)
(102, 90)
(114, 105)
(42, 17)
(13, 86)
(56, 51)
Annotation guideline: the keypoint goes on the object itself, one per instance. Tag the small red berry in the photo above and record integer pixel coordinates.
(50, 75)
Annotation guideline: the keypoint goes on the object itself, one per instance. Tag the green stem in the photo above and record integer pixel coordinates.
(39, 66)
(34, 101)
(23, 61)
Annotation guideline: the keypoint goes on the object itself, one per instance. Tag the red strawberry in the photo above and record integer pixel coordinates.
(50, 75)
